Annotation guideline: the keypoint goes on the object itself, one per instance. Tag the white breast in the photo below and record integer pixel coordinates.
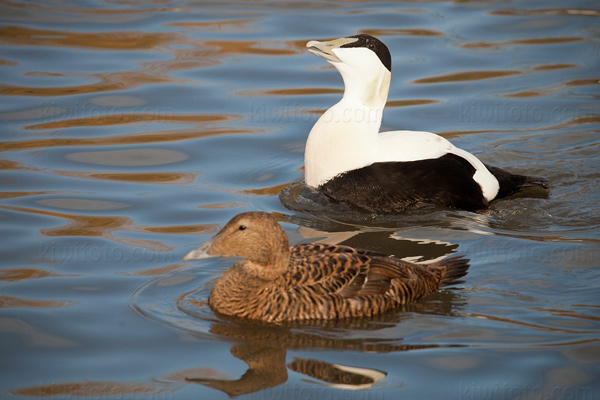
(343, 139)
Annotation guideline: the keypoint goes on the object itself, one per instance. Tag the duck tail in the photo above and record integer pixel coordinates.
(511, 183)
(535, 181)
(456, 268)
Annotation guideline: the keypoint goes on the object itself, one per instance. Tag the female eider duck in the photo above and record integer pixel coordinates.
(277, 283)
(351, 162)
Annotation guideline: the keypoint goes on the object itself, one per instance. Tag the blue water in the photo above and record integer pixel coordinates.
(131, 131)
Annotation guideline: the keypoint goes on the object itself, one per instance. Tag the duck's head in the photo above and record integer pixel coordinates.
(255, 236)
(363, 61)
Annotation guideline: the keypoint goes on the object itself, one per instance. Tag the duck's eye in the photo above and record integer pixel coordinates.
(242, 227)
(371, 46)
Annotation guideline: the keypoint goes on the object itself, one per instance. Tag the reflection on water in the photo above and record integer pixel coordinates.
(15, 302)
(158, 137)
(467, 76)
(131, 132)
(82, 204)
(17, 274)
(89, 389)
(129, 158)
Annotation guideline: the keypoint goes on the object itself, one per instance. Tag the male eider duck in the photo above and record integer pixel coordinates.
(277, 283)
(351, 162)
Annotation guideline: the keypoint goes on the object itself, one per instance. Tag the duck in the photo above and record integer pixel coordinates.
(276, 283)
(350, 161)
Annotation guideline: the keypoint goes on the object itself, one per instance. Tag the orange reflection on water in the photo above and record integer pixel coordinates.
(556, 88)
(288, 92)
(533, 41)
(263, 47)
(18, 302)
(90, 11)
(12, 195)
(220, 206)
(8, 63)
(152, 72)
(167, 269)
(550, 67)
(85, 225)
(141, 177)
(569, 123)
(19, 274)
(9, 164)
(164, 116)
(542, 12)
(467, 76)
(93, 389)
(121, 40)
(184, 229)
(136, 138)
(104, 82)
(96, 226)
(267, 191)
(402, 32)
(407, 103)
(100, 226)
(231, 25)
(79, 225)
(195, 54)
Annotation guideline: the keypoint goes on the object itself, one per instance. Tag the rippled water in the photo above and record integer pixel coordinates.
(132, 130)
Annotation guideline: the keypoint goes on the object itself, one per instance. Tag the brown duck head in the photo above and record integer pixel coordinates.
(254, 236)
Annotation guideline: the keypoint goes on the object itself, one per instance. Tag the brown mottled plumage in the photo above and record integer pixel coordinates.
(276, 282)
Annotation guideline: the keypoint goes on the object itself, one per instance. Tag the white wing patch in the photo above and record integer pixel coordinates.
(411, 146)
(419, 145)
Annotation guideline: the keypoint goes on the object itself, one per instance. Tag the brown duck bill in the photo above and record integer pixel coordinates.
(201, 252)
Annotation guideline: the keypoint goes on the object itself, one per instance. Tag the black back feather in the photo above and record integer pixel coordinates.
(391, 187)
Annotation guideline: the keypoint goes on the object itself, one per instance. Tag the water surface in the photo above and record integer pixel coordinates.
(132, 131)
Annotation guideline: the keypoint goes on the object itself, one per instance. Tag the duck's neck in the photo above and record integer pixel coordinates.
(346, 135)
(273, 258)
(370, 89)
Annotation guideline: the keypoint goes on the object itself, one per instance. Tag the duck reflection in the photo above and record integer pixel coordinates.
(264, 347)
(264, 350)
(384, 241)
(312, 209)
(336, 375)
